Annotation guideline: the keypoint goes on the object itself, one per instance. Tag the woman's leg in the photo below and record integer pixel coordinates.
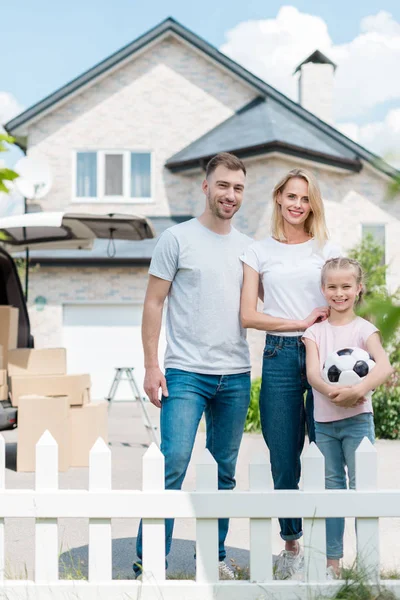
(283, 418)
(329, 442)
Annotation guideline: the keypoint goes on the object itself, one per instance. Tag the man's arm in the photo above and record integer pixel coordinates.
(157, 291)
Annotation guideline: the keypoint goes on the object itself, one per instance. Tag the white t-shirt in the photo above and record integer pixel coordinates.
(291, 276)
(330, 338)
(204, 333)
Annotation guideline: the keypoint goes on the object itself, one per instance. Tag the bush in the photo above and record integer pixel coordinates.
(386, 401)
(253, 423)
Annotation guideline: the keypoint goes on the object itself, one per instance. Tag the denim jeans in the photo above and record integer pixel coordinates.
(338, 442)
(284, 415)
(225, 400)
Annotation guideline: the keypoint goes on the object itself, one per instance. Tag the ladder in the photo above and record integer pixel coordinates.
(126, 374)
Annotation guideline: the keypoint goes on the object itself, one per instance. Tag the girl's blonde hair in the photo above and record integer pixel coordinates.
(315, 224)
(334, 264)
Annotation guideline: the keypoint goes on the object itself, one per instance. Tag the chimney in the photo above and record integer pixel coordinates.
(316, 85)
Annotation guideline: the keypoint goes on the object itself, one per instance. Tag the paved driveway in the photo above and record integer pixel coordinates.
(128, 442)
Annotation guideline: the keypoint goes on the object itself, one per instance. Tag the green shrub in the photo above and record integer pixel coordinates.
(253, 424)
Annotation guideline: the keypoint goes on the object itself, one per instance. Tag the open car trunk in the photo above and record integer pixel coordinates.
(56, 231)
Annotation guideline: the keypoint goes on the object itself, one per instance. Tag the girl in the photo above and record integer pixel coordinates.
(343, 416)
(289, 264)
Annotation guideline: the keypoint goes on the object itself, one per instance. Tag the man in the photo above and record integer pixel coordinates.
(207, 364)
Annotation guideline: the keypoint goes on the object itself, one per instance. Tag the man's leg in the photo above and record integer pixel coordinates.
(181, 412)
(225, 418)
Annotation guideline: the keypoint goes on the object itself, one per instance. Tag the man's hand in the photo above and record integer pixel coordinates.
(154, 380)
(347, 397)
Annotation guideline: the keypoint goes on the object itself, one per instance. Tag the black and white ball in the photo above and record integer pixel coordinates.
(347, 367)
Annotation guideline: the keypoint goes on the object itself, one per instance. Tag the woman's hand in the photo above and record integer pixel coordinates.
(317, 315)
(347, 397)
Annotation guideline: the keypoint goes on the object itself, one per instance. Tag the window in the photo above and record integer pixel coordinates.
(114, 175)
(378, 232)
(86, 174)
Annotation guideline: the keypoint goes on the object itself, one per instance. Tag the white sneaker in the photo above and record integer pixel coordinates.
(225, 572)
(331, 574)
(288, 563)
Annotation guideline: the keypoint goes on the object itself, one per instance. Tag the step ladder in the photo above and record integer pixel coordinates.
(126, 374)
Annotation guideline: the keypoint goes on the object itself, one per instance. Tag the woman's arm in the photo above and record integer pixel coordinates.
(313, 369)
(252, 319)
(378, 375)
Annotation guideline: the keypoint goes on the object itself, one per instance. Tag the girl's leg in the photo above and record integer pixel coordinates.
(356, 428)
(329, 442)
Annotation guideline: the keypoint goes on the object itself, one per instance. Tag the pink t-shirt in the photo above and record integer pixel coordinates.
(330, 338)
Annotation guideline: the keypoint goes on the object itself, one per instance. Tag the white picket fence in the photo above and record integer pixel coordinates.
(46, 503)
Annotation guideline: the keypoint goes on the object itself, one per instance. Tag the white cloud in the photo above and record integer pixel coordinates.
(381, 137)
(367, 66)
(9, 107)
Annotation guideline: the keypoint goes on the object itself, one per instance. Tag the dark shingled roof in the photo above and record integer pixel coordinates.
(126, 253)
(265, 126)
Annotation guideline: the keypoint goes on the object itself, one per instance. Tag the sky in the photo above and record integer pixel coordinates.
(45, 44)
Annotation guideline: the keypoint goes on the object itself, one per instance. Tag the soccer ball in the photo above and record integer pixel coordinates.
(347, 367)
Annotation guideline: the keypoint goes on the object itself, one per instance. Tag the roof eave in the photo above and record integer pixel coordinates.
(353, 165)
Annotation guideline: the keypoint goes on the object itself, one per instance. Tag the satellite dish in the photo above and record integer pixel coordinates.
(34, 179)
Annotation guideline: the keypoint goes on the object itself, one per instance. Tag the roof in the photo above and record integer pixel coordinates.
(19, 125)
(265, 126)
(106, 253)
(317, 58)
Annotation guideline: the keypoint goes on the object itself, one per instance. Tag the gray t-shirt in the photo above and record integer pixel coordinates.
(204, 334)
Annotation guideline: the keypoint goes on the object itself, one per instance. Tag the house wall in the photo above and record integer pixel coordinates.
(161, 101)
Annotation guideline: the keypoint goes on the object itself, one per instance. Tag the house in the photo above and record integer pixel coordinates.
(133, 135)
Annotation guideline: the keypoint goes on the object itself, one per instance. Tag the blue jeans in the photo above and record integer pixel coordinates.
(338, 442)
(284, 415)
(225, 400)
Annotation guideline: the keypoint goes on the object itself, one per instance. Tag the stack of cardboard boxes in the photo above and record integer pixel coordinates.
(48, 398)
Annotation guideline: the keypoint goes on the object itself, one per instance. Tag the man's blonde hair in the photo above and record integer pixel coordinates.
(315, 224)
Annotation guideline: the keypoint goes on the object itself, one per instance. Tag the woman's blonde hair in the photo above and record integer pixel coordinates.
(315, 224)
(335, 264)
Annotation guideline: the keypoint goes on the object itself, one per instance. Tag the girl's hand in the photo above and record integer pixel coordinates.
(317, 315)
(347, 397)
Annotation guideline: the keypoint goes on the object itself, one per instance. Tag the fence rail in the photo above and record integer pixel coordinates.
(46, 503)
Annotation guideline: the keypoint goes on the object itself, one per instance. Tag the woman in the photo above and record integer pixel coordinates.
(289, 265)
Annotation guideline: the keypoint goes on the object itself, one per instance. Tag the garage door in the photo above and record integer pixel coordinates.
(100, 337)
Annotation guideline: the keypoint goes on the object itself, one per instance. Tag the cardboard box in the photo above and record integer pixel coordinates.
(88, 422)
(76, 387)
(8, 329)
(44, 361)
(35, 415)
(3, 385)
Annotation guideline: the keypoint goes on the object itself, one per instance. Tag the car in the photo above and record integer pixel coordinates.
(20, 234)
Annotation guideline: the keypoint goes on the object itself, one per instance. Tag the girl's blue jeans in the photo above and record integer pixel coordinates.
(338, 442)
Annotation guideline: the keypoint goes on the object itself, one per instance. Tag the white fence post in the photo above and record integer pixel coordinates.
(46, 530)
(367, 528)
(153, 529)
(2, 488)
(207, 529)
(100, 543)
(260, 480)
(314, 529)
